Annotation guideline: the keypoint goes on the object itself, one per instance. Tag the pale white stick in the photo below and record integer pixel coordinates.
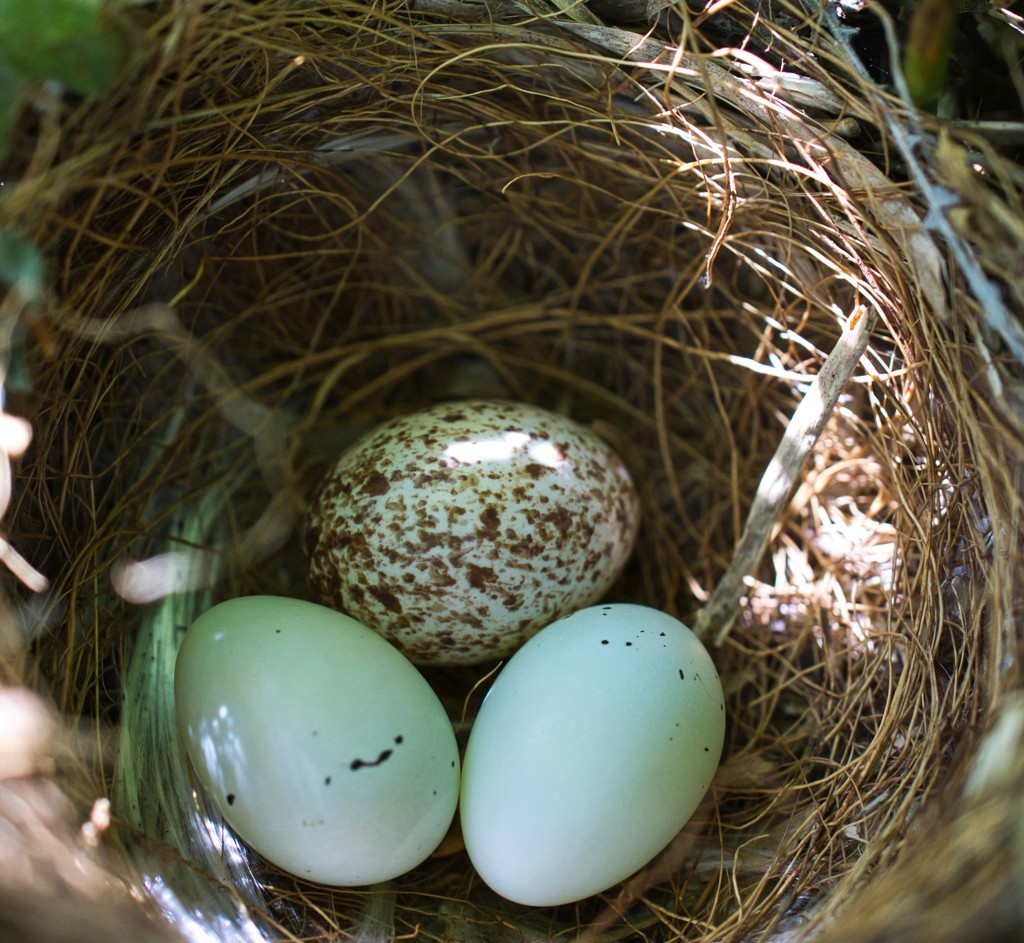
(717, 617)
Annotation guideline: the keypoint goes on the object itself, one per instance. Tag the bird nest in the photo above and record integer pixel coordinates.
(288, 221)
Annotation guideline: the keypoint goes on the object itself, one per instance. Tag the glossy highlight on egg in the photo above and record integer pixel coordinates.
(460, 530)
(318, 742)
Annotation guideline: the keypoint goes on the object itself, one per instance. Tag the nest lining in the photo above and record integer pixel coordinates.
(294, 223)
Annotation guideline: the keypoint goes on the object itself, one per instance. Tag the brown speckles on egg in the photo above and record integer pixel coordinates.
(480, 576)
(562, 519)
(386, 598)
(429, 539)
(459, 531)
(376, 484)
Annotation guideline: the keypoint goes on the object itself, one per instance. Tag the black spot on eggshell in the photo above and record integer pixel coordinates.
(231, 798)
(358, 764)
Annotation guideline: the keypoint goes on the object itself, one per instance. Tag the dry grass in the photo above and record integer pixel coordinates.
(292, 221)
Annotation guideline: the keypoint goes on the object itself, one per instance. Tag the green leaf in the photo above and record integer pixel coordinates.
(21, 266)
(78, 43)
(11, 88)
(929, 43)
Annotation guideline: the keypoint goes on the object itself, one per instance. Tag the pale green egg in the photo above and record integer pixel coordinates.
(320, 744)
(592, 749)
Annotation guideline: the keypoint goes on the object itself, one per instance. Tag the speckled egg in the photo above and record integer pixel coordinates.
(460, 530)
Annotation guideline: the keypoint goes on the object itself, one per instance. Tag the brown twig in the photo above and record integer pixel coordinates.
(798, 441)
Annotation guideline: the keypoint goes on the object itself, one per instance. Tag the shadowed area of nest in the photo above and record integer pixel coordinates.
(292, 223)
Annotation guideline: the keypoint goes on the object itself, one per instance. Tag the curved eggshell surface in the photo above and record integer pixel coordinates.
(460, 530)
(591, 750)
(318, 742)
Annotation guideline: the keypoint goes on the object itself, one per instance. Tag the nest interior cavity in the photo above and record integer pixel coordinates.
(291, 221)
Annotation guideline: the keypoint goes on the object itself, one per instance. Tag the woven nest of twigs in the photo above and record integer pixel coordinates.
(289, 221)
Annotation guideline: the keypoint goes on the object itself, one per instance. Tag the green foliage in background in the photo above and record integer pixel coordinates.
(74, 42)
(23, 271)
(11, 90)
(79, 44)
(21, 266)
(929, 43)
(79, 47)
